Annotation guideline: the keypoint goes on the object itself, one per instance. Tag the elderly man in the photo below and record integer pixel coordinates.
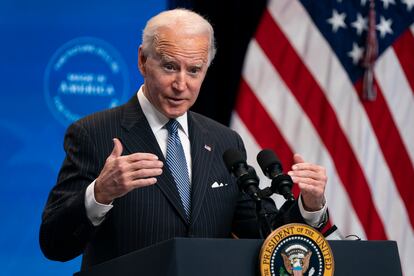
(144, 172)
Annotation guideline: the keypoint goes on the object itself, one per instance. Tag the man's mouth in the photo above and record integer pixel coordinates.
(175, 101)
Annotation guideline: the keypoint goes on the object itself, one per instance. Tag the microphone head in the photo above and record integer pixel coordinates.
(233, 157)
(268, 162)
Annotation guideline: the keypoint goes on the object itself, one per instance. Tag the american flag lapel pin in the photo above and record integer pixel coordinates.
(207, 147)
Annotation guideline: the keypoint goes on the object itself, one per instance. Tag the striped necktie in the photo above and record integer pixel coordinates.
(178, 165)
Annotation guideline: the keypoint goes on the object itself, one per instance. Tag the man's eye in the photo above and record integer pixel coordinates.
(194, 70)
(169, 67)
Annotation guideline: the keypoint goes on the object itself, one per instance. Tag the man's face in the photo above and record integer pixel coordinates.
(174, 72)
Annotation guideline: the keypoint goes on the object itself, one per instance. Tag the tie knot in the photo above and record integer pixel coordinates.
(172, 126)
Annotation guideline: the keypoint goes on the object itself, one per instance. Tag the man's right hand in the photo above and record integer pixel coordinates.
(121, 174)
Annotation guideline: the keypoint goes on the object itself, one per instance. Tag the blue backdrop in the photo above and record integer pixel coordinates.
(59, 60)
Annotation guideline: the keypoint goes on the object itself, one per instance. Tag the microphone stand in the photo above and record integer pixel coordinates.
(248, 183)
(266, 193)
(265, 227)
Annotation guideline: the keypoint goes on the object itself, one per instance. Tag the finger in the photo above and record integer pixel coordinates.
(117, 150)
(309, 188)
(128, 184)
(145, 173)
(297, 158)
(308, 181)
(308, 166)
(145, 164)
(143, 182)
(308, 174)
(138, 156)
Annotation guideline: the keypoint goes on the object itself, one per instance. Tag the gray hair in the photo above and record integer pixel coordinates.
(189, 21)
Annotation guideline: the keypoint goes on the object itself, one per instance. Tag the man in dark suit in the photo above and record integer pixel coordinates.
(151, 170)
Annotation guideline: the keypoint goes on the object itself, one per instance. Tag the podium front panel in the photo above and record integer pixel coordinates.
(206, 257)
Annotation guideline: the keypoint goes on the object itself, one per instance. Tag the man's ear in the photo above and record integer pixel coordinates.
(142, 59)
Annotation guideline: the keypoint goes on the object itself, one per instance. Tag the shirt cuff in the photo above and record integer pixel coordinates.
(95, 211)
(314, 219)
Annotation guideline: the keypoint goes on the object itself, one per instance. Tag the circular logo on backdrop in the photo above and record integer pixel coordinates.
(296, 249)
(83, 76)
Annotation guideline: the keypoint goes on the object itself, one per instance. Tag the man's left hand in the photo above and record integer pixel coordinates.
(312, 180)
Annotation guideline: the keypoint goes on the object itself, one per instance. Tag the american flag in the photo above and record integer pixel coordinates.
(302, 91)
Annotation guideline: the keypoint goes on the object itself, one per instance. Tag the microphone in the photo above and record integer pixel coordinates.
(272, 168)
(247, 179)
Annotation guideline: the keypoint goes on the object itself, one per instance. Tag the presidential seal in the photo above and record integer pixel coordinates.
(83, 76)
(296, 249)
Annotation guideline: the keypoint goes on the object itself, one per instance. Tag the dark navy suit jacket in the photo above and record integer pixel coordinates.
(148, 215)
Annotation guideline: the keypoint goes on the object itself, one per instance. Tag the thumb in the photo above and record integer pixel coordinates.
(117, 151)
(297, 158)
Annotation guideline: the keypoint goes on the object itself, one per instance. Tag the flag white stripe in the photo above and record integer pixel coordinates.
(293, 20)
(302, 137)
(398, 95)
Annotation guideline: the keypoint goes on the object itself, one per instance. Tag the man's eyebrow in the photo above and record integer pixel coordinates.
(197, 65)
(165, 58)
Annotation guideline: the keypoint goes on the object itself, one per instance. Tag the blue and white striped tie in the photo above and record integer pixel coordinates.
(178, 165)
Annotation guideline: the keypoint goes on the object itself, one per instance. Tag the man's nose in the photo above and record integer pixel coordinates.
(179, 83)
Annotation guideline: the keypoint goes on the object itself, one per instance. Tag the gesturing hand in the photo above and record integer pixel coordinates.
(121, 174)
(312, 180)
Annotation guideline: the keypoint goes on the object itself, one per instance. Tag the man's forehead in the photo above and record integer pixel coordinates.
(181, 36)
(198, 61)
(175, 45)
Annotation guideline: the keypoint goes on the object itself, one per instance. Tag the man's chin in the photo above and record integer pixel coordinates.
(175, 113)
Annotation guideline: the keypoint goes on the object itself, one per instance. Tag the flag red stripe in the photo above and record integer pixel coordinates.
(266, 133)
(392, 147)
(313, 101)
(403, 47)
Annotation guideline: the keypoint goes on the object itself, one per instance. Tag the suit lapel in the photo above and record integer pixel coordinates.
(139, 137)
(201, 156)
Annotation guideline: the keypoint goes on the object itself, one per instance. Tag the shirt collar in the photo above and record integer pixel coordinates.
(156, 119)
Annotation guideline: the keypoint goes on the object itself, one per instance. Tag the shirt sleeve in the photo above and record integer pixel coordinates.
(316, 218)
(94, 210)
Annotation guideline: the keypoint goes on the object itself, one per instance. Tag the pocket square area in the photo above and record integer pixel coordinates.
(217, 185)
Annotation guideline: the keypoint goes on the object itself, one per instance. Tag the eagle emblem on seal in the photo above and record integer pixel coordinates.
(296, 259)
